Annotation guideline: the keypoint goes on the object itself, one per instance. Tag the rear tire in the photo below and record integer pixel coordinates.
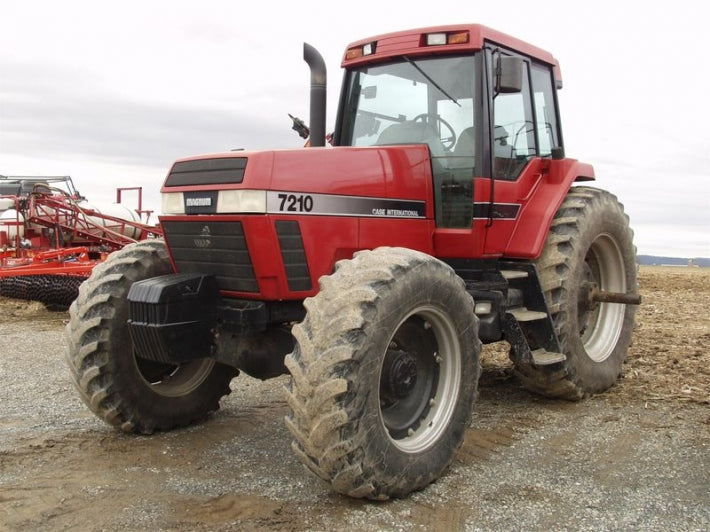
(128, 392)
(384, 373)
(589, 241)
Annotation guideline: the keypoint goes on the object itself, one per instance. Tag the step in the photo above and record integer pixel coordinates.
(513, 274)
(523, 314)
(541, 357)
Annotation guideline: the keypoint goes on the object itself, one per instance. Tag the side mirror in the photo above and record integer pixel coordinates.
(509, 74)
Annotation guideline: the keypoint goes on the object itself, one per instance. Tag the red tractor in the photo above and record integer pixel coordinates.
(443, 216)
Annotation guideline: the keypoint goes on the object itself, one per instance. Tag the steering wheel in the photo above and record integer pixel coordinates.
(446, 141)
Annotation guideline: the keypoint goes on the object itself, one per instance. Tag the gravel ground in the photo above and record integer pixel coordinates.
(635, 458)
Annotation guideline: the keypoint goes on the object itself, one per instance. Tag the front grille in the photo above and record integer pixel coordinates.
(293, 255)
(207, 172)
(212, 248)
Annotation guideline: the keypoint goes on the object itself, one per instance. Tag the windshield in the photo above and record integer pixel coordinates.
(412, 101)
(420, 101)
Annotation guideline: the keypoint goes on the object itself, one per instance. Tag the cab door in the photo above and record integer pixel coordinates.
(523, 132)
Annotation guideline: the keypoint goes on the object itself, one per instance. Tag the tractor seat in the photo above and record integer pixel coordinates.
(412, 133)
(465, 145)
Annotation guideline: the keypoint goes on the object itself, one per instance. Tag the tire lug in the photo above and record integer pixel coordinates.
(410, 432)
(438, 358)
(427, 325)
(432, 402)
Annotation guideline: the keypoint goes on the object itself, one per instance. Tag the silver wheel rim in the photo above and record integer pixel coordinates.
(433, 405)
(600, 329)
(171, 380)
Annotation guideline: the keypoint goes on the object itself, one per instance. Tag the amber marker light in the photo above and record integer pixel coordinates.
(460, 37)
(353, 53)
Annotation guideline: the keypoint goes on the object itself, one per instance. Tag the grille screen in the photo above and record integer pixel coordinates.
(215, 248)
(293, 255)
(207, 172)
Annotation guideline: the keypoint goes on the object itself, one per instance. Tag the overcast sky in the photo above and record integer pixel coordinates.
(112, 93)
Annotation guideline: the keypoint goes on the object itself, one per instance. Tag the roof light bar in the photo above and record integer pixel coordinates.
(361, 51)
(440, 39)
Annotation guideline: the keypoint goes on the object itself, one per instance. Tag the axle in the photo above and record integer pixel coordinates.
(594, 295)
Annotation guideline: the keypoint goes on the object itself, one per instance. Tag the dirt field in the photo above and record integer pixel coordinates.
(635, 458)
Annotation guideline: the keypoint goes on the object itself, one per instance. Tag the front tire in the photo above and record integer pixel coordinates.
(384, 373)
(125, 391)
(589, 243)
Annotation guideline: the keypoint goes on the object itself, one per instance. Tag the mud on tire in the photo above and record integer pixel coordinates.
(384, 373)
(590, 241)
(130, 393)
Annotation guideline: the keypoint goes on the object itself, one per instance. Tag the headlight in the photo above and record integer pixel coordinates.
(172, 203)
(244, 201)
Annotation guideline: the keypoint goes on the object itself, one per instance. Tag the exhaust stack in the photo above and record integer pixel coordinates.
(318, 94)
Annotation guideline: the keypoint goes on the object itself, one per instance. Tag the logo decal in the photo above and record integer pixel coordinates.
(198, 202)
(204, 240)
(338, 205)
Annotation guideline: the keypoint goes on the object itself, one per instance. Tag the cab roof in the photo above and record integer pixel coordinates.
(413, 43)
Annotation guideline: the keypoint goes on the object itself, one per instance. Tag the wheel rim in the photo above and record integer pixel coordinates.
(600, 324)
(174, 380)
(419, 379)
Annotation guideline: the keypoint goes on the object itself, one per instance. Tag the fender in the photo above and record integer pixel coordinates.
(536, 215)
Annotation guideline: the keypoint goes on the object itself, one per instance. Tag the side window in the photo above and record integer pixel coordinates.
(513, 131)
(545, 115)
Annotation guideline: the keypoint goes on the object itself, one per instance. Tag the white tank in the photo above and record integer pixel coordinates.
(117, 211)
(12, 223)
(6, 203)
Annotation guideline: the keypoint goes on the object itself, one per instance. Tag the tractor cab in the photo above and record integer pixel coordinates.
(486, 111)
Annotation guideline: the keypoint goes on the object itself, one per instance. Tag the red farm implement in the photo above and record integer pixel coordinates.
(51, 237)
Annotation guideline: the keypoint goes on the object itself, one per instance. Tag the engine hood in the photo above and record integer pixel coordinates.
(252, 182)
